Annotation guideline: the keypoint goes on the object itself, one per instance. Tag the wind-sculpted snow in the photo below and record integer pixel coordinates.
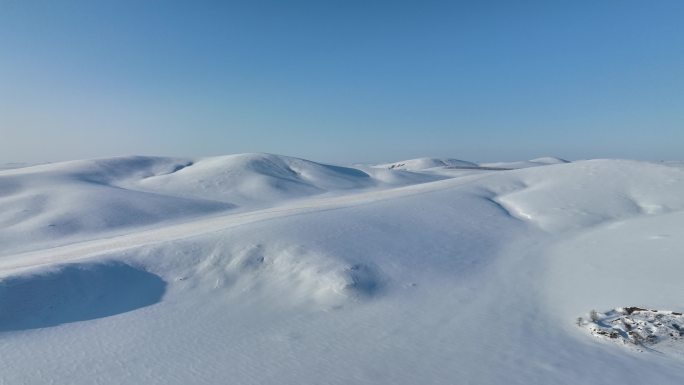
(256, 178)
(298, 274)
(321, 274)
(574, 196)
(34, 216)
(75, 292)
(71, 201)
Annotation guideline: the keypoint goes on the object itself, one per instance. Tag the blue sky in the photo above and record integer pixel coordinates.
(342, 81)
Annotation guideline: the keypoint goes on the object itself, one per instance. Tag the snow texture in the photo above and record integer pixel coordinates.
(266, 269)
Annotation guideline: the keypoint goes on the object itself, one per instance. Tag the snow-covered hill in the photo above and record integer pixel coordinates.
(426, 163)
(274, 270)
(249, 179)
(65, 202)
(543, 161)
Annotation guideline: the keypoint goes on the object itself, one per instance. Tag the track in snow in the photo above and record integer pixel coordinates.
(83, 250)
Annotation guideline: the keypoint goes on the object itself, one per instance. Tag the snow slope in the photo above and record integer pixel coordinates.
(563, 197)
(256, 178)
(66, 202)
(71, 201)
(543, 161)
(478, 278)
(9, 166)
(426, 163)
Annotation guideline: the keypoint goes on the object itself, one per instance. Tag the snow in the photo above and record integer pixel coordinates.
(246, 178)
(9, 166)
(44, 205)
(75, 201)
(575, 196)
(543, 161)
(426, 163)
(75, 292)
(265, 269)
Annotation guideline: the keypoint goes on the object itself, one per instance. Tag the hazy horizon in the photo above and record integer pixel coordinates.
(342, 82)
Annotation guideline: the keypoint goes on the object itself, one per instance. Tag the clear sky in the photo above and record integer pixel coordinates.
(342, 81)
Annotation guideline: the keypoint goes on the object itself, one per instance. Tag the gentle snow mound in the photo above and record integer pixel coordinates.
(549, 160)
(427, 163)
(577, 195)
(67, 201)
(295, 273)
(543, 161)
(256, 178)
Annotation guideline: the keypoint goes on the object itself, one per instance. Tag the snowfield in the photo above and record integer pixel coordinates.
(266, 269)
